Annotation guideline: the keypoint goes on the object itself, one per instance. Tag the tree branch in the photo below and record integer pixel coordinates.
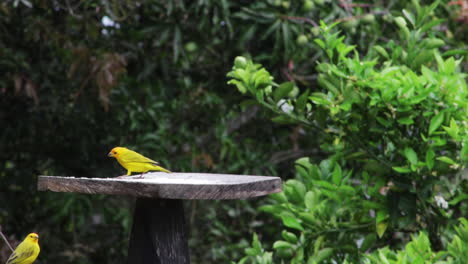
(6, 240)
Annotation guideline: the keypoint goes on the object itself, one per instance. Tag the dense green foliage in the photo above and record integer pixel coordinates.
(394, 121)
(418, 250)
(378, 145)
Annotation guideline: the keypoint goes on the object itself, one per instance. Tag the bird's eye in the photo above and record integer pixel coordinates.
(115, 152)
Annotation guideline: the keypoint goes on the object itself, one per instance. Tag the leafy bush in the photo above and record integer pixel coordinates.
(394, 120)
(418, 250)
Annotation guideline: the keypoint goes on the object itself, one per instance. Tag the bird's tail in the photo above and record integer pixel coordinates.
(159, 168)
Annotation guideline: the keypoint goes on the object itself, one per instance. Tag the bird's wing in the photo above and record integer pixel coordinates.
(21, 253)
(132, 156)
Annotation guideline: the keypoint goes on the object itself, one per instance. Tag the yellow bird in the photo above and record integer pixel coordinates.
(134, 162)
(27, 251)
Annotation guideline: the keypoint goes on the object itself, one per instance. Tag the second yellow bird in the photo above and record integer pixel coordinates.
(134, 162)
(27, 251)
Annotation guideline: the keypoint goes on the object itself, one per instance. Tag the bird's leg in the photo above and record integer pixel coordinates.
(141, 176)
(123, 176)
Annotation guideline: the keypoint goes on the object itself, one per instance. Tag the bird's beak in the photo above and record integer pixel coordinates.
(110, 154)
(36, 237)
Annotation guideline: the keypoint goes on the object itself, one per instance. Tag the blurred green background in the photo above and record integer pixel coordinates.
(80, 77)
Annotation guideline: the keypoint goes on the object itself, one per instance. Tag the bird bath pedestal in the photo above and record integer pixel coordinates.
(158, 232)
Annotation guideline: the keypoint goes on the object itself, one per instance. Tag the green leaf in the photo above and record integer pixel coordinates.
(384, 122)
(295, 190)
(380, 228)
(288, 236)
(336, 71)
(453, 52)
(283, 90)
(401, 22)
(251, 252)
(326, 185)
(284, 253)
(270, 29)
(272, 209)
(301, 101)
(369, 241)
(328, 83)
(403, 169)
(240, 85)
(309, 218)
(259, 94)
(291, 194)
(409, 16)
(330, 194)
(410, 155)
(319, 241)
(346, 190)
(283, 119)
(320, 99)
(435, 123)
(279, 197)
(381, 222)
(430, 155)
(309, 200)
(256, 248)
(381, 51)
(282, 244)
(447, 160)
(433, 43)
(440, 61)
(337, 175)
(437, 141)
(302, 167)
(256, 243)
(464, 150)
(291, 222)
(261, 79)
(453, 130)
(431, 24)
(298, 256)
(320, 43)
(381, 216)
(405, 121)
(458, 199)
(320, 256)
